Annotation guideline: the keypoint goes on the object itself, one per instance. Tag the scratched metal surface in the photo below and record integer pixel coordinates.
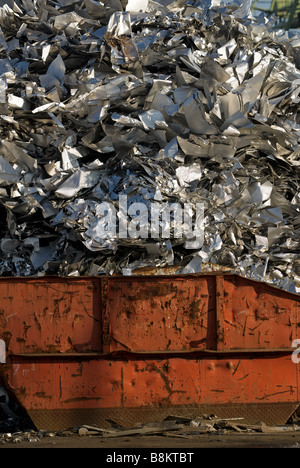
(144, 390)
(83, 348)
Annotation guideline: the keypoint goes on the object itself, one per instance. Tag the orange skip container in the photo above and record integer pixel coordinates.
(135, 349)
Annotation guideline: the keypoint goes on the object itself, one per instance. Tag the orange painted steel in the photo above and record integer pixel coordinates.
(88, 350)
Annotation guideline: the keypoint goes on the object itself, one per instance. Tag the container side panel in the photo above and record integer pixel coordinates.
(258, 316)
(151, 382)
(42, 316)
(165, 314)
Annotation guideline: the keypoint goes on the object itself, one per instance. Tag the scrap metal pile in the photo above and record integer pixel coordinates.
(150, 102)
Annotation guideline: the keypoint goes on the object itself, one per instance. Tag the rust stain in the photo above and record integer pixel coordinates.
(42, 395)
(122, 388)
(6, 336)
(244, 328)
(80, 369)
(274, 394)
(244, 377)
(82, 399)
(167, 382)
(148, 341)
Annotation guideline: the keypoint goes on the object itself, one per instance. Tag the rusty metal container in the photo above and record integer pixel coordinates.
(88, 350)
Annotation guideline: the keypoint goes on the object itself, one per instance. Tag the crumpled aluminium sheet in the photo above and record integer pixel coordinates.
(162, 102)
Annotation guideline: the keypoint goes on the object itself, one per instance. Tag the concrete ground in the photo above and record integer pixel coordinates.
(176, 444)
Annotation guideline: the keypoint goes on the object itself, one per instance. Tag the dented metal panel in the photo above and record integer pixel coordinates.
(147, 314)
(104, 388)
(50, 315)
(220, 311)
(84, 350)
(259, 316)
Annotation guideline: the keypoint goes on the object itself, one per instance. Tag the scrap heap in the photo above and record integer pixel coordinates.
(189, 102)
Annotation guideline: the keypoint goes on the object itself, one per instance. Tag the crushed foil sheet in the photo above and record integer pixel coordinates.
(155, 103)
